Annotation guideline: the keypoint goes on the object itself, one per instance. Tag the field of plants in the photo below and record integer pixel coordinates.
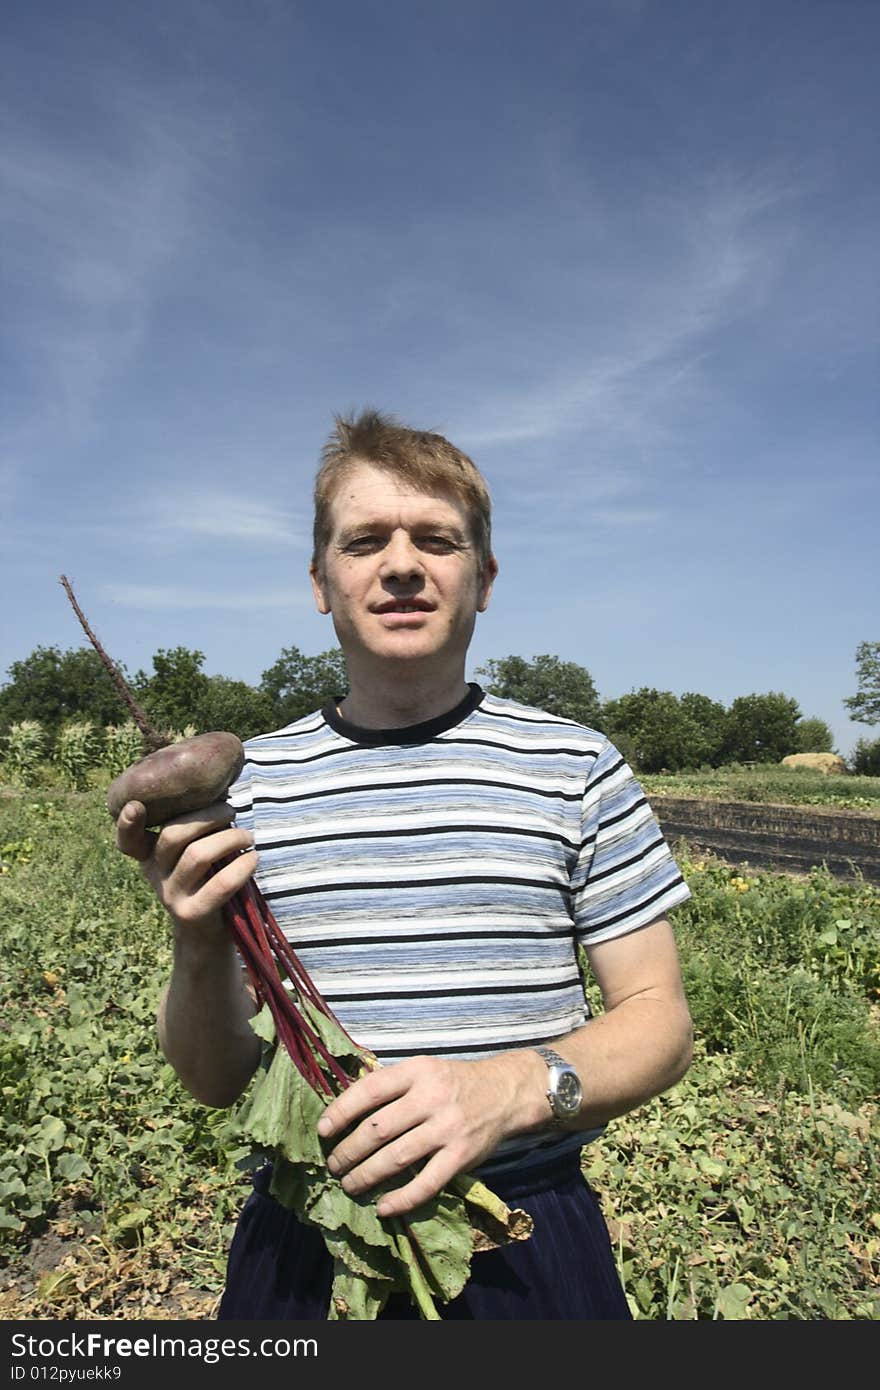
(770, 783)
(749, 1192)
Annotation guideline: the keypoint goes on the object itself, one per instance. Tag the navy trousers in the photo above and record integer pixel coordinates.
(280, 1269)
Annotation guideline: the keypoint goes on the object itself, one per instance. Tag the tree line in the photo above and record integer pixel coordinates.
(54, 687)
(656, 730)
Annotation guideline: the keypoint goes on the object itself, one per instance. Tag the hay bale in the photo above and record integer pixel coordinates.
(827, 763)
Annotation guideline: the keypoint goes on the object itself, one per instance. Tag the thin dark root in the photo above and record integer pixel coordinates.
(150, 734)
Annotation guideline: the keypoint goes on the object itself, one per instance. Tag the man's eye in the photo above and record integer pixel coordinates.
(438, 543)
(358, 544)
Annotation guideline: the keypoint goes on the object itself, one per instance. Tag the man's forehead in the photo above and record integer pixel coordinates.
(370, 493)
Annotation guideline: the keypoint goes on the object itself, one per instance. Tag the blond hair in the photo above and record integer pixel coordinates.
(424, 460)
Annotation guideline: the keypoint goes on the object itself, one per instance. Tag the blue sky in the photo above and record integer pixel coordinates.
(623, 253)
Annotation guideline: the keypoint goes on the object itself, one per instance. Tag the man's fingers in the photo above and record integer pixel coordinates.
(396, 1162)
(216, 891)
(416, 1124)
(195, 862)
(188, 866)
(176, 834)
(132, 836)
(390, 1123)
(135, 840)
(430, 1180)
(375, 1089)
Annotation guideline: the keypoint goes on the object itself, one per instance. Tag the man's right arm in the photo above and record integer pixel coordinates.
(204, 1012)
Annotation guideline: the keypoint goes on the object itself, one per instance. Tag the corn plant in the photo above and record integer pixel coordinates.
(76, 750)
(123, 745)
(25, 746)
(177, 736)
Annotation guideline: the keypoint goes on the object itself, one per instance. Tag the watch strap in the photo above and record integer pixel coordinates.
(552, 1058)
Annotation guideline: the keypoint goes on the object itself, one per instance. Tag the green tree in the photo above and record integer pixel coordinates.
(560, 687)
(173, 694)
(813, 736)
(297, 684)
(865, 704)
(235, 706)
(652, 730)
(761, 728)
(708, 718)
(52, 687)
(865, 758)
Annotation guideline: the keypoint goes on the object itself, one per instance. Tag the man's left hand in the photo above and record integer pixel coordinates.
(442, 1117)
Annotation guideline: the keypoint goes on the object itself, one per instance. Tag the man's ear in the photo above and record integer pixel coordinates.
(318, 588)
(487, 579)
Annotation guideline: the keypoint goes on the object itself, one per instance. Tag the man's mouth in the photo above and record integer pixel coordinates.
(404, 605)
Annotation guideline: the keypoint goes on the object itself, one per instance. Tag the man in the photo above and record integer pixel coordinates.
(436, 855)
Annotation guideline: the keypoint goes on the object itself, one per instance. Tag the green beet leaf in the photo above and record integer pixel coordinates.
(427, 1255)
(354, 1299)
(443, 1234)
(282, 1112)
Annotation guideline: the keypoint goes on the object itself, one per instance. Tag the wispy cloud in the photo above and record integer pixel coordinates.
(92, 226)
(179, 529)
(224, 515)
(95, 235)
(623, 377)
(154, 596)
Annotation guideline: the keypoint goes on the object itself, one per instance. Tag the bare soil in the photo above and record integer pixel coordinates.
(784, 838)
(64, 1275)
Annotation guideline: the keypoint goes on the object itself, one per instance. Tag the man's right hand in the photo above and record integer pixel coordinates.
(179, 860)
(203, 1015)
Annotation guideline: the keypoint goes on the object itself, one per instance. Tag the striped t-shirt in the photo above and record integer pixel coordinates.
(436, 880)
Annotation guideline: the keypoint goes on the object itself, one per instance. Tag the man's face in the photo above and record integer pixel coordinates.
(400, 575)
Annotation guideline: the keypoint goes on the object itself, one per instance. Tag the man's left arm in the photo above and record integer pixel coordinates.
(449, 1116)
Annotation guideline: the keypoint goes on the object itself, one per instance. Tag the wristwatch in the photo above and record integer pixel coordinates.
(565, 1092)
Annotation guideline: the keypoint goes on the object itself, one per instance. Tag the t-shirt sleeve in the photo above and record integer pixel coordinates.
(240, 795)
(625, 876)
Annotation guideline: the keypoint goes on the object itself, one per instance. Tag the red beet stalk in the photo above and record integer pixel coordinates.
(265, 950)
(270, 960)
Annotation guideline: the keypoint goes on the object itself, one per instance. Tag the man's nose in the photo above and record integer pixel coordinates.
(401, 559)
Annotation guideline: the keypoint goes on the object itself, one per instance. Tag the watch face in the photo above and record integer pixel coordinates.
(569, 1093)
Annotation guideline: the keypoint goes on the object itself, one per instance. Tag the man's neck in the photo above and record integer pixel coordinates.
(398, 703)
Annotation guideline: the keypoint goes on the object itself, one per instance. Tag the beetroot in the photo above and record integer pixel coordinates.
(185, 776)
